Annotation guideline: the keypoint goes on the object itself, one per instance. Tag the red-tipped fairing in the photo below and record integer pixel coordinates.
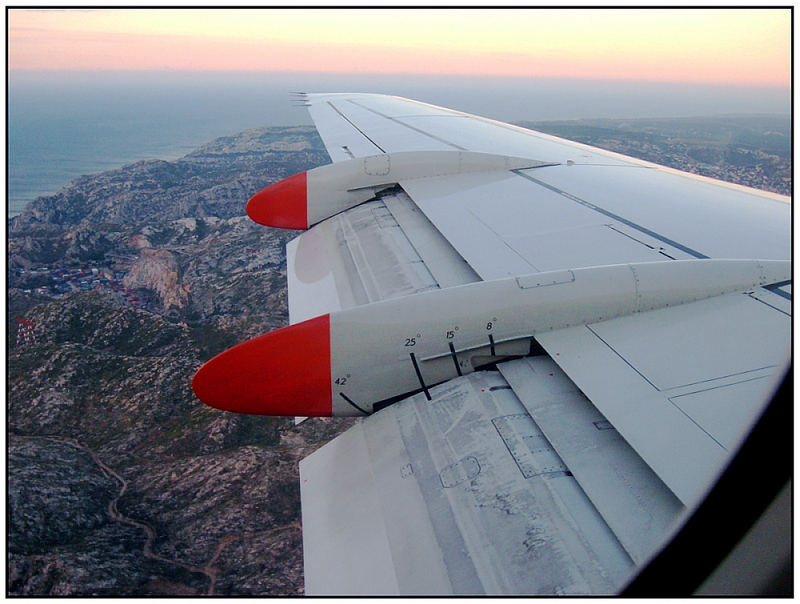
(283, 204)
(284, 372)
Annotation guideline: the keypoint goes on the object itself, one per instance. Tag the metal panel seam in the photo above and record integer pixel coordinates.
(610, 347)
(344, 117)
(605, 212)
(410, 127)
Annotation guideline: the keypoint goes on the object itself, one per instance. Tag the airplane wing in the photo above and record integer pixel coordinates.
(556, 349)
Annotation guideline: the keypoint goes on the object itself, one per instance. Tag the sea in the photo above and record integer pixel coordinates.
(62, 125)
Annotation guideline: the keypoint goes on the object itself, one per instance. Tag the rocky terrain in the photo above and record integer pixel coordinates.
(120, 482)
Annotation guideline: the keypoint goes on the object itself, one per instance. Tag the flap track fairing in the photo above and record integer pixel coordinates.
(343, 362)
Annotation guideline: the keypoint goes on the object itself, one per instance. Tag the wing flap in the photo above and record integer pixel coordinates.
(379, 250)
(633, 501)
(465, 484)
(441, 259)
(344, 507)
(639, 370)
(353, 258)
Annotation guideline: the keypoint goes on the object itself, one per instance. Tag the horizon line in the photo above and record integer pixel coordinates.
(385, 75)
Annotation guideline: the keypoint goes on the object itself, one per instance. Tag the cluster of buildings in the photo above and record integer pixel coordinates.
(58, 282)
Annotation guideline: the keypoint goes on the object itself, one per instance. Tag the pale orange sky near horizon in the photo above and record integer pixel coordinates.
(720, 46)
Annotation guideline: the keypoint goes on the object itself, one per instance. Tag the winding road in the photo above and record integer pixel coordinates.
(209, 569)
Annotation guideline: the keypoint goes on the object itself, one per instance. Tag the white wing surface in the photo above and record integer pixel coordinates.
(561, 471)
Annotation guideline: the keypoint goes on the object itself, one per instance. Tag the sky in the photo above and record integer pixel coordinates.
(741, 47)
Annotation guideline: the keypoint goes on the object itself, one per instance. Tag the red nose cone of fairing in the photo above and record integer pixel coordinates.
(284, 372)
(283, 204)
